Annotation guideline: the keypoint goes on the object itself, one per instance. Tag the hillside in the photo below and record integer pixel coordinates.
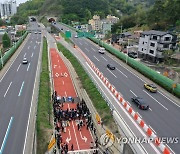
(80, 10)
(155, 14)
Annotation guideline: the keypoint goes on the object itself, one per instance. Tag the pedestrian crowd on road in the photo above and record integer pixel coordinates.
(63, 117)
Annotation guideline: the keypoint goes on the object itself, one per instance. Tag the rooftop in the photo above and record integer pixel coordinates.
(154, 32)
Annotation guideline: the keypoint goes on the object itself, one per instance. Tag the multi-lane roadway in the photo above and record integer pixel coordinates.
(16, 89)
(163, 115)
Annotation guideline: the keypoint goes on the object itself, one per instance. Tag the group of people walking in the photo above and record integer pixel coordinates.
(62, 118)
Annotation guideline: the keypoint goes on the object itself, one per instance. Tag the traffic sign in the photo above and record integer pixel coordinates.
(110, 134)
(174, 85)
(68, 34)
(51, 144)
(98, 119)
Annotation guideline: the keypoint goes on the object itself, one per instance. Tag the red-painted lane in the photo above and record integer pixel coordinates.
(80, 139)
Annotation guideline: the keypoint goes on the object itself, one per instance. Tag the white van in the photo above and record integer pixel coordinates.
(101, 50)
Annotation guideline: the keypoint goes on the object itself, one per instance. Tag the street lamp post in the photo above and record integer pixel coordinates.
(127, 51)
(1, 58)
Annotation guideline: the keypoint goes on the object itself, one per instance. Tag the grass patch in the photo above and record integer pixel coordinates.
(44, 128)
(98, 101)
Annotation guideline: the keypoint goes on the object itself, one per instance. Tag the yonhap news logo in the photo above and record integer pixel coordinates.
(108, 140)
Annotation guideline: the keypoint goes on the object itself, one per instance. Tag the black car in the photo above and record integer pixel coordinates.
(110, 66)
(132, 55)
(140, 103)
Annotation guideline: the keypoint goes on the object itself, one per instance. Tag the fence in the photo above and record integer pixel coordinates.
(12, 50)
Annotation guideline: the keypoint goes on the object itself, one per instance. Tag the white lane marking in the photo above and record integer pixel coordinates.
(150, 109)
(25, 55)
(133, 93)
(80, 43)
(58, 61)
(65, 93)
(74, 131)
(96, 58)
(124, 110)
(7, 89)
(139, 115)
(170, 148)
(6, 135)
(86, 43)
(34, 46)
(32, 55)
(20, 91)
(155, 100)
(112, 73)
(122, 73)
(28, 47)
(128, 70)
(104, 58)
(31, 41)
(28, 66)
(93, 49)
(18, 67)
(30, 112)
(153, 129)
(168, 99)
(63, 82)
(86, 49)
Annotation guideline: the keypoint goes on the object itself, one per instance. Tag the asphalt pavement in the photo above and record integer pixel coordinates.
(16, 89)
(163, 116)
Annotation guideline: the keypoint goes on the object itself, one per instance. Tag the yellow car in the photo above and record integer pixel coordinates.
(150, 87)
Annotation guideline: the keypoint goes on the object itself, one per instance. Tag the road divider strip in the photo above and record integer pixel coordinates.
(149, 132)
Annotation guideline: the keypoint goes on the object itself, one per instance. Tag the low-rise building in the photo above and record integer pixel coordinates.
(153, 43)
(96, 23)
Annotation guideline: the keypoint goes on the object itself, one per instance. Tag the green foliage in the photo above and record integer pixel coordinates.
(43, 104)
(6, 41)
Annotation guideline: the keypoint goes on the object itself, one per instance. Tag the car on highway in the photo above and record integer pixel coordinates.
(76, 36)
(25, 61)
(132, 55)
(110, 66)
(101, 50)
(35, 32)
(150, 87)
(39, 32)
(140, 103)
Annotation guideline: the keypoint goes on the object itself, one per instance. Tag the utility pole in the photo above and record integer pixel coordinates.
(127, 51)
(1, 57)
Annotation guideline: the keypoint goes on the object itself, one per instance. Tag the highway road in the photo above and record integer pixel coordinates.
(16, 89)
(164, 113)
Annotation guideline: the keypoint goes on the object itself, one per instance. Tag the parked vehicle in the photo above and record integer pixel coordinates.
(132, 55)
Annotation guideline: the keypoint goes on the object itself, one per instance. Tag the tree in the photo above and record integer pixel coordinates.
(6, 41)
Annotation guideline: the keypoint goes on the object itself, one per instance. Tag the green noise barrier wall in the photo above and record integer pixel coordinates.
(12, 50)
(148, 72)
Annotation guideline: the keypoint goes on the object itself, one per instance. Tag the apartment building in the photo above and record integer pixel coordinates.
(8, 9)
(96, 23)
(152, 44)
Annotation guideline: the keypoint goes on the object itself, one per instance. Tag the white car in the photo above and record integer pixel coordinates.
(35, 32)
(101, 50)
(76, 36)
(24, 61)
